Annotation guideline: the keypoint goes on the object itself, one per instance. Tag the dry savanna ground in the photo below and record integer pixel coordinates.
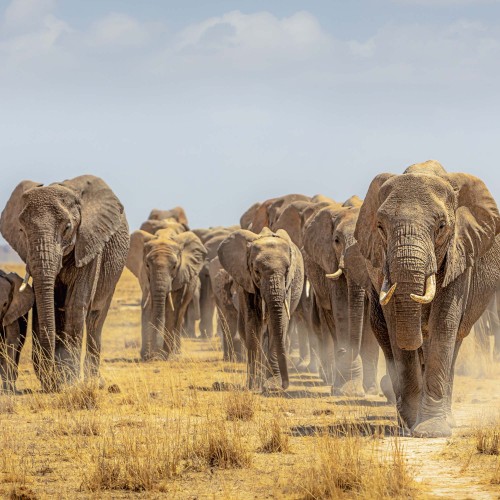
(186, 429)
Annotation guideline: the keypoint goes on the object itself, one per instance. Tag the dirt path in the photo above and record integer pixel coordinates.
(444, 477)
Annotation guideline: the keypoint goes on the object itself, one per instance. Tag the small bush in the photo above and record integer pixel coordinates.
(272, 437)
(240, 405)
(80, 396)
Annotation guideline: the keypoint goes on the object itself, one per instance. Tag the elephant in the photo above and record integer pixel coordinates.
(339, 279)
(266, 213)
(430, 244)
(489, 325)
(292, 219)
(14, 308)
(226, 297)
(167, 265)
(177, 214)
(203, 308)
(73, 237)
(269, 272)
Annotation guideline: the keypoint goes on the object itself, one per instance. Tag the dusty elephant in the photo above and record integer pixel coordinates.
(269, 270)
(167, 266)
(73, 237)
(226, 297)
(430, 243)
(339, 278)
(14, 308)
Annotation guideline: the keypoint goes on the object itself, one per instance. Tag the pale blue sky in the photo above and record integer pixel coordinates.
(215, 105)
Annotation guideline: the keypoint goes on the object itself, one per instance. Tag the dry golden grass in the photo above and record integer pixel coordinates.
(185, 428)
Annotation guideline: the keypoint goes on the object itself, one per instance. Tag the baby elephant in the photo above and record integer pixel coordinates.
(269, 270)
(14, 308)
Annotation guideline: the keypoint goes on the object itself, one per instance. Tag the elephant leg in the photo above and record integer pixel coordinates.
(95, 323)
(12, 344)
(435, 406)
(207, 309)
(190, 322)
(369, 357)
(482, 343)
(449, 388)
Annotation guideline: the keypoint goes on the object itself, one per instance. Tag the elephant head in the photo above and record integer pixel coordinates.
(14, 308)
(177, 213)
(164, 263)
(268, 212)
(269, 267)
(71, 220)
(417, 225)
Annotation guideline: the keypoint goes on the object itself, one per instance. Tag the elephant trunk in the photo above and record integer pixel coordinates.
(409, 269)
(44, 262)
(275, 297)
(160, 291)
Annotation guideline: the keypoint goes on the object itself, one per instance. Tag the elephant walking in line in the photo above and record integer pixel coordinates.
(14, 308)
(338, 276)
(269, 270)
(73, 237)
(429, 239)
(226, 297)
(167, 265)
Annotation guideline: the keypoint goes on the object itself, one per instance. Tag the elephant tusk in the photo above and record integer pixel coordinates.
(430, 291)
(386, 292)
(147, 300)
(263, 307)
(308, 288)
(287, 309)
(25, 282)
(171, 302)
(336, 275)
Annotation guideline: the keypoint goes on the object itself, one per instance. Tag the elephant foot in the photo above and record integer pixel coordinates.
(432, 428)
(387, 390)
(273, 384)
(450, 419)
(349, 389)
(371, 390)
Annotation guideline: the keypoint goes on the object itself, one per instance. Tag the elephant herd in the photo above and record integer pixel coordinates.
(409, 269)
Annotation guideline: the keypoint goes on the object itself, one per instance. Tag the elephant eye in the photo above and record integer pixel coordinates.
(381, 230)
(441, 224)
(336, 240)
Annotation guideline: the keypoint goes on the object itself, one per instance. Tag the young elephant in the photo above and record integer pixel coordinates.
(14, 307)
(167, 266)
(269, 270)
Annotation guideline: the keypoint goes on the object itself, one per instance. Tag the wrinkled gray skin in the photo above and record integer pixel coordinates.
(226, 297)
(167, 265)
(73, 237)
(330, 247)
(14, 308)
(269, 270)
(412, 226)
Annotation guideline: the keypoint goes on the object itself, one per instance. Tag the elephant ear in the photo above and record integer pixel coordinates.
(290, 220)
(366, 232)
(101, 216)
(135, 257)
(21, 302)
(318, 240)
(193, 255)
(9, 220)
(477, 223)
(233, 255)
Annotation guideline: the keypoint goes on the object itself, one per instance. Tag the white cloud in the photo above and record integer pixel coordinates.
(26, 13)
(254, 41)
(120, 30)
